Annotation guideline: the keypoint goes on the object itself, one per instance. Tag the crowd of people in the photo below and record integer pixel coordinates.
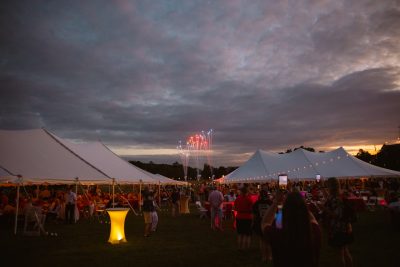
(285, 220)
(291, 219)
(64, 203)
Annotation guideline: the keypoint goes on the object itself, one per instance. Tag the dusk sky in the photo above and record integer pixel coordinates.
(142, 75)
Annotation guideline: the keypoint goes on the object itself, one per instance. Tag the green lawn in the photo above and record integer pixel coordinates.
(180, 241)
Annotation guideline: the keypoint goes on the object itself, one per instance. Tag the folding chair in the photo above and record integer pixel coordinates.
(34, 222)
(201, 209)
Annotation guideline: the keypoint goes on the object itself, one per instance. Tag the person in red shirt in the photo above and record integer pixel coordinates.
(244, 216)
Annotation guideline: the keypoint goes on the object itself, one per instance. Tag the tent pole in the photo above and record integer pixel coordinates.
(140, 195)
(113, 192)
(17, 210)
(76, 186)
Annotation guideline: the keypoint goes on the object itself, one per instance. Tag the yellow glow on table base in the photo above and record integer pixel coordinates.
(117, 232)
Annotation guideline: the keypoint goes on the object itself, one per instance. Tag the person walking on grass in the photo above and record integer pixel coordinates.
(260, 207)
(216, 198)
(148, 208)
(175, 202)
(154, 216)
(244, 208)
(70, 203)
(338, 216)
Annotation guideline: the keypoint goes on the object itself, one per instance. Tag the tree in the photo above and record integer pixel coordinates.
(206, 173)
(389, 157)
(175, 170)
(303, 147)
(365, 156)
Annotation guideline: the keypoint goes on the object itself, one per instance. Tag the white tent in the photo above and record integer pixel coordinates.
(36, 156)
(39, 157)
(111, 164)
(304, 165)
(97, 154)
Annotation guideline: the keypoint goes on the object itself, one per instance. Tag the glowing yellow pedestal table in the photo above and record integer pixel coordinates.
(117, 232)
(184, 201)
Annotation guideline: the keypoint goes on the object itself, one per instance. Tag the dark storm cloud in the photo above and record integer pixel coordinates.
(262, 74)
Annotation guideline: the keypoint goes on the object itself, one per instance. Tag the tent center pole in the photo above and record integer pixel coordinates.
(140, 195)
(113, 192)
(17, 210)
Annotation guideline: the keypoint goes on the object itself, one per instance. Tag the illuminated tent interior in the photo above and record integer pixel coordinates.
(304, 165)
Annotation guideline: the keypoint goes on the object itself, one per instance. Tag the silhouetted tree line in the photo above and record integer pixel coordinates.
(303, 147)
(388, 157)
(175, 170)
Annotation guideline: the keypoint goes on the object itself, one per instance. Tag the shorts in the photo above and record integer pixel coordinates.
(243, 226)
(147, 217)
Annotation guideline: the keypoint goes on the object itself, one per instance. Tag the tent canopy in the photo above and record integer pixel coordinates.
(304, 165)
(39, 157)
(97, 154)
(111, 164)
(42, 157)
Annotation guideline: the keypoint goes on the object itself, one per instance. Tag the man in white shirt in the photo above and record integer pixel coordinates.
(216, 199)
(70, 202)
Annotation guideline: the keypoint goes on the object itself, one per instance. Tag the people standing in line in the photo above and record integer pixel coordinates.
(339, 222)
(244, 216)
(260, 207)
(70, 203)
(175, 202)
(147, 209)
(293, 232)
(216, 198)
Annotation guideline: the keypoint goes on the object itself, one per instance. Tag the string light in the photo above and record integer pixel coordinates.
(274, 174)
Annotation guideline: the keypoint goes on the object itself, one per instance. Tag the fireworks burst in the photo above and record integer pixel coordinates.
(197, 144)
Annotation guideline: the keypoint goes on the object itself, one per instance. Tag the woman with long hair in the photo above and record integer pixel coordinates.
(260, 207)
(293, 232)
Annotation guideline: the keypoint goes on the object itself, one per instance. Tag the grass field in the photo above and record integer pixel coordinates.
(180, 241)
